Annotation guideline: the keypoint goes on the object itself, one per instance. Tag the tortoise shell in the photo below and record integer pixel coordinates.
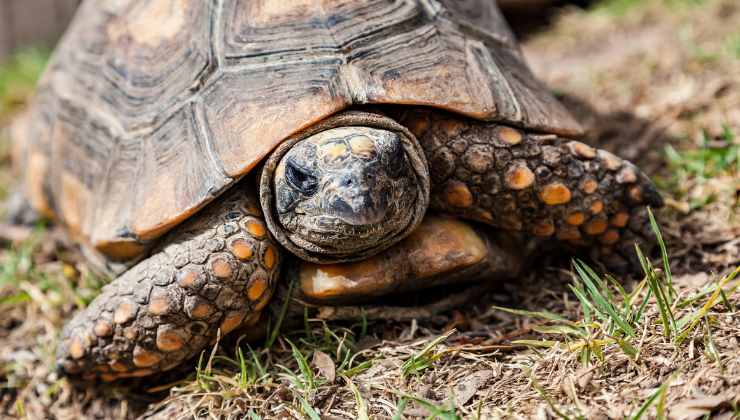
(149, 109)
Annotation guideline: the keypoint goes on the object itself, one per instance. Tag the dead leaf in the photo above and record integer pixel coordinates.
(697, 407)
(325, 365)
(14, 233)
(466, 389)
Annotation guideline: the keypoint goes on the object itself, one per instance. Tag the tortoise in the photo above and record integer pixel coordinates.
(193, 148)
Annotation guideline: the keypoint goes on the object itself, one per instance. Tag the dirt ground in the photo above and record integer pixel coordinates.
(657, 82)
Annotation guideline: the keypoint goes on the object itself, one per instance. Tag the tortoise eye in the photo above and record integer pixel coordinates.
(301, 179)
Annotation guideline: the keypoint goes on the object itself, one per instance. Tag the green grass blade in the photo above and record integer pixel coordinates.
(659, 393)
(308, 410)
(663, 253)
(698, 315)
(533, 314)
(535, 343)
(422, 360)
(303, 366)
(605, 306)
(361, 404)
(275, 330)
(585, 304)
(400, 409)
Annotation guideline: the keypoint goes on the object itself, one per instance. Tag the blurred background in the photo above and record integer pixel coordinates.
(32, 22)
(657, 81)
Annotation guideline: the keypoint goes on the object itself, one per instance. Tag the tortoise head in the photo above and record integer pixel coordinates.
(345, 189)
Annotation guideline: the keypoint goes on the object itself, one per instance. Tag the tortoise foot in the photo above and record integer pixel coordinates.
(216, 272)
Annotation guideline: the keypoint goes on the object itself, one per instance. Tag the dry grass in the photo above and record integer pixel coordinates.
(661, 82)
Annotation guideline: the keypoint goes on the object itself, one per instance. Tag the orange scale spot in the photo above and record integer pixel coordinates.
(596, 207)
(186, 278)
(145, 358)
(575, 219)
(103, 328)
(201, 310)
(138, 373)
(242, 249)
(609, 237)
(569, 234)
(620, 219)
(589, 186)
(124, 312)
(509, 135)
(485, 216)
(457, 194)
(232, 321)
(555, 193)
(610, 161)
(159, 305)
(257, 288)
(270, 257)
(626, 176)
(256, 228)
(221, 268)
(582, 150)
(452, 128)
(169, 340)
(544, 228)
(595, 227)
(118, 366)
(76, 348)
(519, 177)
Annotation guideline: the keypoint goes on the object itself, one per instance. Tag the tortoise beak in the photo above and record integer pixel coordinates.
(358, 201)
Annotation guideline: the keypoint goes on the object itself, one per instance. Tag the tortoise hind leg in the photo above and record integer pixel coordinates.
(538, 184)
(216, 271)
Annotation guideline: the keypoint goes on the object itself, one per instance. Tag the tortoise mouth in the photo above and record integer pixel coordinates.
(346, 188)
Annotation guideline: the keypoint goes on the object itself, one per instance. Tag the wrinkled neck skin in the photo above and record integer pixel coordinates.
(346, 192)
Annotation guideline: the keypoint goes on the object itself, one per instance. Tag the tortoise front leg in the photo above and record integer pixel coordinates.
(541, 185)
(217, 271)
(441, 251)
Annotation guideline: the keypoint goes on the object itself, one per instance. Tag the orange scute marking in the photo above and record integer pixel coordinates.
(519, 177)
(231, 322)
(221, 268)
(576, 218)
(256, 228)
(145, 358)
(457, 194)
(257, 288)
(620, 219)
(241, 249)
(510, 135)
(555, 193)
(595, 227)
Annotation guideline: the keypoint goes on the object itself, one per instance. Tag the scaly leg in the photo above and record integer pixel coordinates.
(538, 184)
(217, 271)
